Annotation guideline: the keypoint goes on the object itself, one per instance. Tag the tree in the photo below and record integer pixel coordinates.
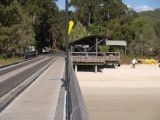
(40, 23)
(145, 37)
(16, 27)
(43, 14)
(96, 11)
(78, 32)
(97, 29)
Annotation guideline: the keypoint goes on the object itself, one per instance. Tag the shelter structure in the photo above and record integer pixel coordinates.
(86, 51)
(120, 43)
(88, 44)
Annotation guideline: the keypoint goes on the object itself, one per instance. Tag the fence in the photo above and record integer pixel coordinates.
(93, 57)
(78, 108)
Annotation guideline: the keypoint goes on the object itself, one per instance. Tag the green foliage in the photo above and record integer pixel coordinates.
(97, 29)
(38, 22)
(78, 32)
(27, 22)
(104, 48)
(145, 41)
(141, 31)
(98, 11)
(6, 60)
(16, 30)
(44, 13)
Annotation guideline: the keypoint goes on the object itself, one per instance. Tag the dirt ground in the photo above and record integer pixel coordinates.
(123, 93)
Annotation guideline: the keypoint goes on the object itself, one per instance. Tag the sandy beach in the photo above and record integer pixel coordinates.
(123, 93)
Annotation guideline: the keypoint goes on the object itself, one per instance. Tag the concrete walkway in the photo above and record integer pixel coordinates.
(38, 101)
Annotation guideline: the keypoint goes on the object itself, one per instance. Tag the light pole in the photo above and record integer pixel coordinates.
(67, 65)
(66, 21)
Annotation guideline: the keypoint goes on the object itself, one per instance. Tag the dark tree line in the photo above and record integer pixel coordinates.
(27, 22)
(114, 19)
(41, 23)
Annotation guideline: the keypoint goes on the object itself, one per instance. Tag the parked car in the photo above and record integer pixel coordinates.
(46, 50)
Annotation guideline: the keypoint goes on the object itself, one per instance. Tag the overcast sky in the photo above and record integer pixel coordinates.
(138, 5)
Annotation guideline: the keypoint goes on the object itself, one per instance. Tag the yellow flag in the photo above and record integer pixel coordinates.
(71, 23)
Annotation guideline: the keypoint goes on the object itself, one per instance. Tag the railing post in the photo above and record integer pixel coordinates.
(96, 68)
(76, 67)
(96, 47)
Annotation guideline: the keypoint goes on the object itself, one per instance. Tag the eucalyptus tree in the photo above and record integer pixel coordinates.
(15, 27)
(44, 15)
(157, 31)
(85, 10)
(79, 31)
(89, 11)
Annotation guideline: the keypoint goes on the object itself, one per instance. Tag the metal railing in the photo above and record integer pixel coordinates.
(78, 108)
(93, 57)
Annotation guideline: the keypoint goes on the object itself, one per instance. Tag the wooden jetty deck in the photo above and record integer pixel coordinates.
(95, 58)
(39, 101)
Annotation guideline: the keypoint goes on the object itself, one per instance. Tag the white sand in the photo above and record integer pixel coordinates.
(123, 93)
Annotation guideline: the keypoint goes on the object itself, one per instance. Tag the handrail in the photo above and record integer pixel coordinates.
(95, 52)
(93, 57)
(78, 111)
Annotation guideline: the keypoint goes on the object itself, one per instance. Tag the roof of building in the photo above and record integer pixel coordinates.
(89, 40)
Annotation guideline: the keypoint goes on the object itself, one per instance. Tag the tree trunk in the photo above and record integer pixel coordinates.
(108, 14)
(34, 17)
(89, 16)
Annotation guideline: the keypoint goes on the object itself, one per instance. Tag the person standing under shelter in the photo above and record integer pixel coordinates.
(134, 61)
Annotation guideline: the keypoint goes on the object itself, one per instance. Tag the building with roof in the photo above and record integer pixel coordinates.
(86, 51)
